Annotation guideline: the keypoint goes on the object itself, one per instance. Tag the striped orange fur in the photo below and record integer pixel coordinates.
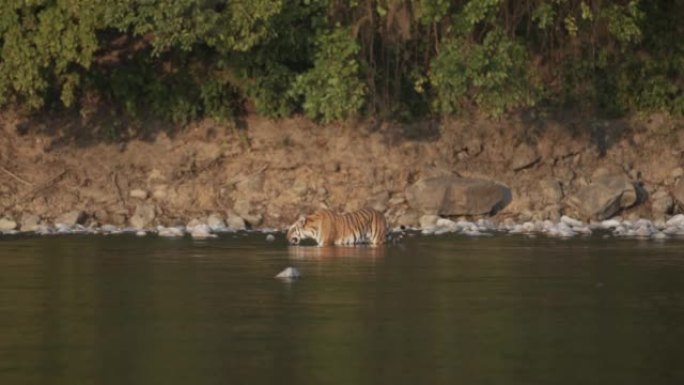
(327, 228)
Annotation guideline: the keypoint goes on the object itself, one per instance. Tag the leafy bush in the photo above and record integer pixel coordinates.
(493, 75)
(185, 59)
(332, 89)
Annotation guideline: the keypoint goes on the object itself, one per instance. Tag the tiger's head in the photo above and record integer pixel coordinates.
(304, 228)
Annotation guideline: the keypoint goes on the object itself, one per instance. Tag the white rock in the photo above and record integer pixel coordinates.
(676, 221)
(447, 224)
(440, 230)
(109, 228)
(270, 238)
(528, 227)
(475, 233)
(289, 273)
(170, 232)
(643, 232)
(485, 224)
(585, 230)
(201, 231)
(674, 230)
(610, 224)
(193, 223)
(141, 233)
(428, 231)
(216, 223)
(659, 235)
(572, 222)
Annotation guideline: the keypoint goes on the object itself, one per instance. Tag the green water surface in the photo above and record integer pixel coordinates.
(432, 310)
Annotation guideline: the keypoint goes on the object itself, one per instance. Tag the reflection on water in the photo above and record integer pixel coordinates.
(331, 252)
(432, 310)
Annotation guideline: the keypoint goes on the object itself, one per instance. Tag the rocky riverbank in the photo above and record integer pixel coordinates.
(523, 175)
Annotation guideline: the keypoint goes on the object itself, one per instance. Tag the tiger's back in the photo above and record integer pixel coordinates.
(329, 228)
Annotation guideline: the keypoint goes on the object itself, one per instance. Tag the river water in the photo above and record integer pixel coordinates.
(431, 310)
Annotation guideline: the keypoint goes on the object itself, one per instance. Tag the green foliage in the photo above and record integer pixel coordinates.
(185, 59)
(332, 89)
(493, 75)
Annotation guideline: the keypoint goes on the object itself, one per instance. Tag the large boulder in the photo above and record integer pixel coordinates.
(605, 197)
(453, 195)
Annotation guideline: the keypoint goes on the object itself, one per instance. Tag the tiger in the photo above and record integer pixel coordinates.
(327, 228)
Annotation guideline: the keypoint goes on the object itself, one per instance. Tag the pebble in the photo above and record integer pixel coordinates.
(270, 238)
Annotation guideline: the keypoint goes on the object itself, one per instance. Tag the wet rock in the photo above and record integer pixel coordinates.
(170, 232)
(605, 197)
(143, 216)
(289, 273)
(524, 156)
(456, 196)
(675, 221)
(572, 222)
(215, 222)
(447, 224)
(7, 224)
(270, 238)
(138, 194)
(29, 222)
(610, 224)
(235, 222)
(72, 218)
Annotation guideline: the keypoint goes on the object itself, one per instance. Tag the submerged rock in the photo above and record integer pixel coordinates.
(289, 273)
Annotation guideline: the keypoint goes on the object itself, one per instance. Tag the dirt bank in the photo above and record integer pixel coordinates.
(270, 171)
